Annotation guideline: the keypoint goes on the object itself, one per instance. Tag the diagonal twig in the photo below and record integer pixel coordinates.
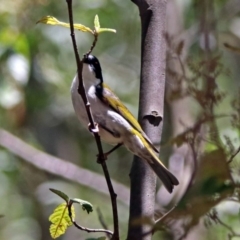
(59, 167)
(101, 220)
(234, 155)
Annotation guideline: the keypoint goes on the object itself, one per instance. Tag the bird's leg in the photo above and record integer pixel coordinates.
(96, 129)
(112, 150)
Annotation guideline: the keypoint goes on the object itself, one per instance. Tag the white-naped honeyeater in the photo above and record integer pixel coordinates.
(115, 122)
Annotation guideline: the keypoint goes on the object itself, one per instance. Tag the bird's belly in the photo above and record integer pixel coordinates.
(108, 137)
(110, 124)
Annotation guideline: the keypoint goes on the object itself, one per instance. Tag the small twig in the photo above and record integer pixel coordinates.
(94, 42)
(113, 200)
(216, 219)
(81, 90)
(165, 215)
(158, 221)
(182, 67)
(101, 220)
(194, 160)
(234, 155)
(226, 226)
(84, 228)
(59, 167)
(195, 164)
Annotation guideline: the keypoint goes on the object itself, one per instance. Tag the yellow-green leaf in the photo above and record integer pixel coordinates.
(81, 27)
(96, 23)
(100, 30)
(60, 220)
(54, 21)
(60, 194)
(213, 183)
(49, 20)
(85, 205)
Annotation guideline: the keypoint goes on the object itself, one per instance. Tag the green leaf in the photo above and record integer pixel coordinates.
(82, 28)
(49, 20)
(106, 30)
(60, 220)
(96, 23)
(60, 194)
(54, 21)
(98, 29)
(85, 205)
(213, 183)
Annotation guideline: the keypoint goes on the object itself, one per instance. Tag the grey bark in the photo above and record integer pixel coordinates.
(152, 85)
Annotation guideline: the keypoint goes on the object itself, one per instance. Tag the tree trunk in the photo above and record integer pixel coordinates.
(153, 61)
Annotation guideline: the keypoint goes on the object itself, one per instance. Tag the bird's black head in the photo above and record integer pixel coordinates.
(95, 65)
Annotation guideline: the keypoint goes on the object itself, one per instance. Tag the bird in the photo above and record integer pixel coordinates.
(116, 124)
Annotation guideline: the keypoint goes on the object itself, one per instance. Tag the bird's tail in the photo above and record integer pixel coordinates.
(146, 152)
(168, 179)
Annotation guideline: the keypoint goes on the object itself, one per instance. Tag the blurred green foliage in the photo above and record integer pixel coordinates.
(36, 69)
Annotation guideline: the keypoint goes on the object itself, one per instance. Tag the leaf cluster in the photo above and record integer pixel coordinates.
(212, 179)
(64, 214)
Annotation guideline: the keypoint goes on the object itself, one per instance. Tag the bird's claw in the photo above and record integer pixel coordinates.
(93, 130)
(101, 157)
(104, 156)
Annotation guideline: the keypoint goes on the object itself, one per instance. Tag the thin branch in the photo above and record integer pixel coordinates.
(234, 155)
(101, 156)
(164, 216)
(101, 220)
(159, 221)
(113, 200)
(94, 42)
(59, 167)
(81, 88)
(216, 219)
(84, 228)
(195, 163)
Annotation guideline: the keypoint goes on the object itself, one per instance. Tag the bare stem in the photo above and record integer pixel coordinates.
(214, 216)
(81, 90)
(102, 221)
(84, 228)
(94, 43)
(59, 167)
(234, 155)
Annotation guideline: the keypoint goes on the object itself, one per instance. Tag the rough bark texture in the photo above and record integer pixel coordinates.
(153, 61)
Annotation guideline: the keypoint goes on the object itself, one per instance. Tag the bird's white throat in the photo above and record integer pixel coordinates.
(89, 77)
